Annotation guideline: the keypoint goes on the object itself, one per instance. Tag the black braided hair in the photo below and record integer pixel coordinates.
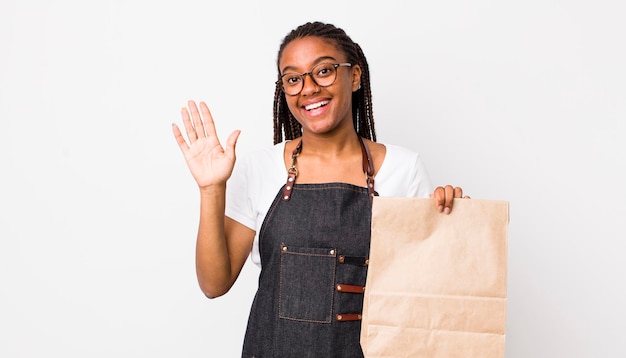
(362, 116)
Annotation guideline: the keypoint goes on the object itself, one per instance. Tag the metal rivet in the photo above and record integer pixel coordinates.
(284, 248)
(339, 317)
(290, 179)
(286, 197)
(338, 287)
(288, 188)
(332, 252)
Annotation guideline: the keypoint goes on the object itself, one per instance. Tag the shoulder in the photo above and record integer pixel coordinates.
(258, 168)
(402, 173)
(265, 157)
(256, 179)
(383, 151)
(396, 155)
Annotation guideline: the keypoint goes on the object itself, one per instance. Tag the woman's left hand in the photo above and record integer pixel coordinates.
(443, 197)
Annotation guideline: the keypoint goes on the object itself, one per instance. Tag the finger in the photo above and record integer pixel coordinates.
(179, 138)
(209, 125)
(231, 143)
(439, 196)
(196, 119)
(449, 195)
(191, 132)
(458, 192)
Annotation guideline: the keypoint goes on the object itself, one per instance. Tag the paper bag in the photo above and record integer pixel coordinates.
(436, 283)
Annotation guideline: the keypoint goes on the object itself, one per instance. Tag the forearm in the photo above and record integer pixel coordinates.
(213, 263)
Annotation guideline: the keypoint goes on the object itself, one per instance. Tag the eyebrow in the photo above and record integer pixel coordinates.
(317, 61)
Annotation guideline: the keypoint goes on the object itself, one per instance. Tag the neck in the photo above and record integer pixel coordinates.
(335, 143)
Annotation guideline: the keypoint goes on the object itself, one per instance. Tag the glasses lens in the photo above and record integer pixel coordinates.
(324, 74)
(292, 83)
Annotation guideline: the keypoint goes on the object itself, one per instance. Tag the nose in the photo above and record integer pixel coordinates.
(309, 86)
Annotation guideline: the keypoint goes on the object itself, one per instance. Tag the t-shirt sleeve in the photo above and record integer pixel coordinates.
(419, 183)
(403, 174)
(239, 198)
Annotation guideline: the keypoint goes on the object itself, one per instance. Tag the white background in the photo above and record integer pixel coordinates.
(520, 101)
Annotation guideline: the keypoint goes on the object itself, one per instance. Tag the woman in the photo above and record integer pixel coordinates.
(301, 209)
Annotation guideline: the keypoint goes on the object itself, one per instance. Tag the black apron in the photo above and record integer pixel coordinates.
(314, 245)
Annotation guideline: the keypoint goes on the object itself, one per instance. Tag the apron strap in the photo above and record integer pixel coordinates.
(292, 173)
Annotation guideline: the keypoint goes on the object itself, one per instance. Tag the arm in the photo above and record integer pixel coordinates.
(222, 244)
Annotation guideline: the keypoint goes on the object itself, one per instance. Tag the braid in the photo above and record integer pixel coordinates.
(283, 119)
(362, 115)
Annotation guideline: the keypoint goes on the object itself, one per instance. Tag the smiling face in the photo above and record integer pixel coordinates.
(320, 110)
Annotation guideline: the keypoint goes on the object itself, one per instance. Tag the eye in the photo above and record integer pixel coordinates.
(324, 70)
(291, 80)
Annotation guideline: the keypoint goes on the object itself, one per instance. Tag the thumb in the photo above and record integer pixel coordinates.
(231, 143)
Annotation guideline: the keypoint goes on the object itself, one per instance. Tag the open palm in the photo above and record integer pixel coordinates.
(209, 162)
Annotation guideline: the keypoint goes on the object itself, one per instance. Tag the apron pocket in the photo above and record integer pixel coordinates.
(307, 282)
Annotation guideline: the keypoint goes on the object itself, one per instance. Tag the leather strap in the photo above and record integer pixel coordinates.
(348, 317)
(342, 287)
(292, 173)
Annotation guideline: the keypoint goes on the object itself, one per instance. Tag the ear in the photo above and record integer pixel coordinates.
(356, 78)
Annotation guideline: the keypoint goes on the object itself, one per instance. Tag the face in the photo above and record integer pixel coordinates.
(319, 109)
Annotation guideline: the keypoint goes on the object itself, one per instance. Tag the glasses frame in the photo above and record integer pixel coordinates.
(310, 73)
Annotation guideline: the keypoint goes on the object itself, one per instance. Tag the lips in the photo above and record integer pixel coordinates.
(315, 105)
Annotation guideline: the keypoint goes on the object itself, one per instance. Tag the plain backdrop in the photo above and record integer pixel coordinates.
(520, 101)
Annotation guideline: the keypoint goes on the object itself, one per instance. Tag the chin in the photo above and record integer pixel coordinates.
(320, 129)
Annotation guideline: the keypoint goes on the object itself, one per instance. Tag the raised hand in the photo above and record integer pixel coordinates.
(209, 162)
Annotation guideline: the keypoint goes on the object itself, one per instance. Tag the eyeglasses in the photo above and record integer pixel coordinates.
(323, 74)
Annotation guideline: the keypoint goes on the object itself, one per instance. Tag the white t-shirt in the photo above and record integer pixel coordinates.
(258, 177)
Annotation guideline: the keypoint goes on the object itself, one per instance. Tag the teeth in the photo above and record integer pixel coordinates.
(316, 105)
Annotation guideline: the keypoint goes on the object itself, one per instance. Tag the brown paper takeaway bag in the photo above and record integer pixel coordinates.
(436, 283)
